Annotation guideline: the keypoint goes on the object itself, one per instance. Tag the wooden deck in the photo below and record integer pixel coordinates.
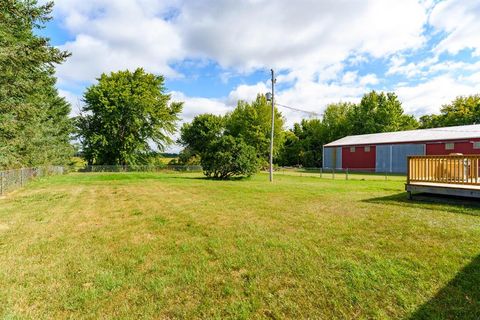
(471, 191)
(453, 175)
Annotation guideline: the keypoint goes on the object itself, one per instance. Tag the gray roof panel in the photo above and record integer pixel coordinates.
(420, 135)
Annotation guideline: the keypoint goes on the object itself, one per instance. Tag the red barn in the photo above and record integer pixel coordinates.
(387, 152)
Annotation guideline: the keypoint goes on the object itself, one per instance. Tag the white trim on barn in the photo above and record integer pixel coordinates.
(421, 135)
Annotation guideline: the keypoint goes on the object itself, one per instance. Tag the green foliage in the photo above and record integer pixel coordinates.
(337, 121)
(187, 157)
(291, 152)
(156, 159)
(227, 156)
(462, 111)
(125, 112)
(34, 124)
(252, 122)
(233, 145)
(198, 134)
(429, 121)
(376, 112)
(379, 112)
(222, 156)
(312, 134)
(303, 144)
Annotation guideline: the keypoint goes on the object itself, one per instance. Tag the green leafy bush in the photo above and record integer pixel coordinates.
(228, 156)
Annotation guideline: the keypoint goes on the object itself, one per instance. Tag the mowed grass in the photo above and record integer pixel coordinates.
(164, 246)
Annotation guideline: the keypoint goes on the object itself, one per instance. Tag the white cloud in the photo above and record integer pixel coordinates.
(75, 101)
(293, 34)
(193, 106)
(399, 65)
(428, 97)
(459, 19)
(113, 35)
(247, 92)
(434, 68)
(309, 42)
(349, 77)
(243, 35)
(369, 79)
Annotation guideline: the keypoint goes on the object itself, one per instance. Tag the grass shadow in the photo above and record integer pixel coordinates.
(433, 202)
(459, 299)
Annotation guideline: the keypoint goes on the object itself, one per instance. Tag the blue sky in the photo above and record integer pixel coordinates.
(213, 53)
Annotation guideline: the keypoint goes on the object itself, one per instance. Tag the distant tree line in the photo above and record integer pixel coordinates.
(376, 112)
(462, 111)
(302, 145)
(34, 120)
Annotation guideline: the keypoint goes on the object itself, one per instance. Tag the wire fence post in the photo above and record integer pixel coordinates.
(15, 178)
(346, 174)
(321, 172)
(385, 175)
(333, 173)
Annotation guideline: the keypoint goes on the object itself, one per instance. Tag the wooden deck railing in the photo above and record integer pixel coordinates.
(452, 169)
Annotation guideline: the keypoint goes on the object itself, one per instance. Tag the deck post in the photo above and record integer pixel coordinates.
(408, 170)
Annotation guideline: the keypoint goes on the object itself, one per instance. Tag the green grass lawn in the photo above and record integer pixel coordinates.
(160, 245)
(341, 175)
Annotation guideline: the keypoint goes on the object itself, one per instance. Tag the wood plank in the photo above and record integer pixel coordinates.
(444, 169)
(449, 189)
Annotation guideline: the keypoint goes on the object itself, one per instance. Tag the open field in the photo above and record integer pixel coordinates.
(172, 245)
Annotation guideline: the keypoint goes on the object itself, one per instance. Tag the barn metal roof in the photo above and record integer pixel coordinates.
(421, 135)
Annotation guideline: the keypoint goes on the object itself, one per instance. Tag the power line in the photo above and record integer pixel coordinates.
(300, 110)
(321, 114)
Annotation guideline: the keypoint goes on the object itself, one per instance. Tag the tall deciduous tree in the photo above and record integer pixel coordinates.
(461, 111)
(34, 124)
(252, 122)
(380, 112)
(199, 133)
(124, 114)
(336, 121)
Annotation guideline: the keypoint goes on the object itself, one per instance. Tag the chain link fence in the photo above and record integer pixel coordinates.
(345, 174)
(141, 168)
(13, 179)
(326, 173)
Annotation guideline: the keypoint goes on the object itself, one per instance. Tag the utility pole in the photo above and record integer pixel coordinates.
(273, 125)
